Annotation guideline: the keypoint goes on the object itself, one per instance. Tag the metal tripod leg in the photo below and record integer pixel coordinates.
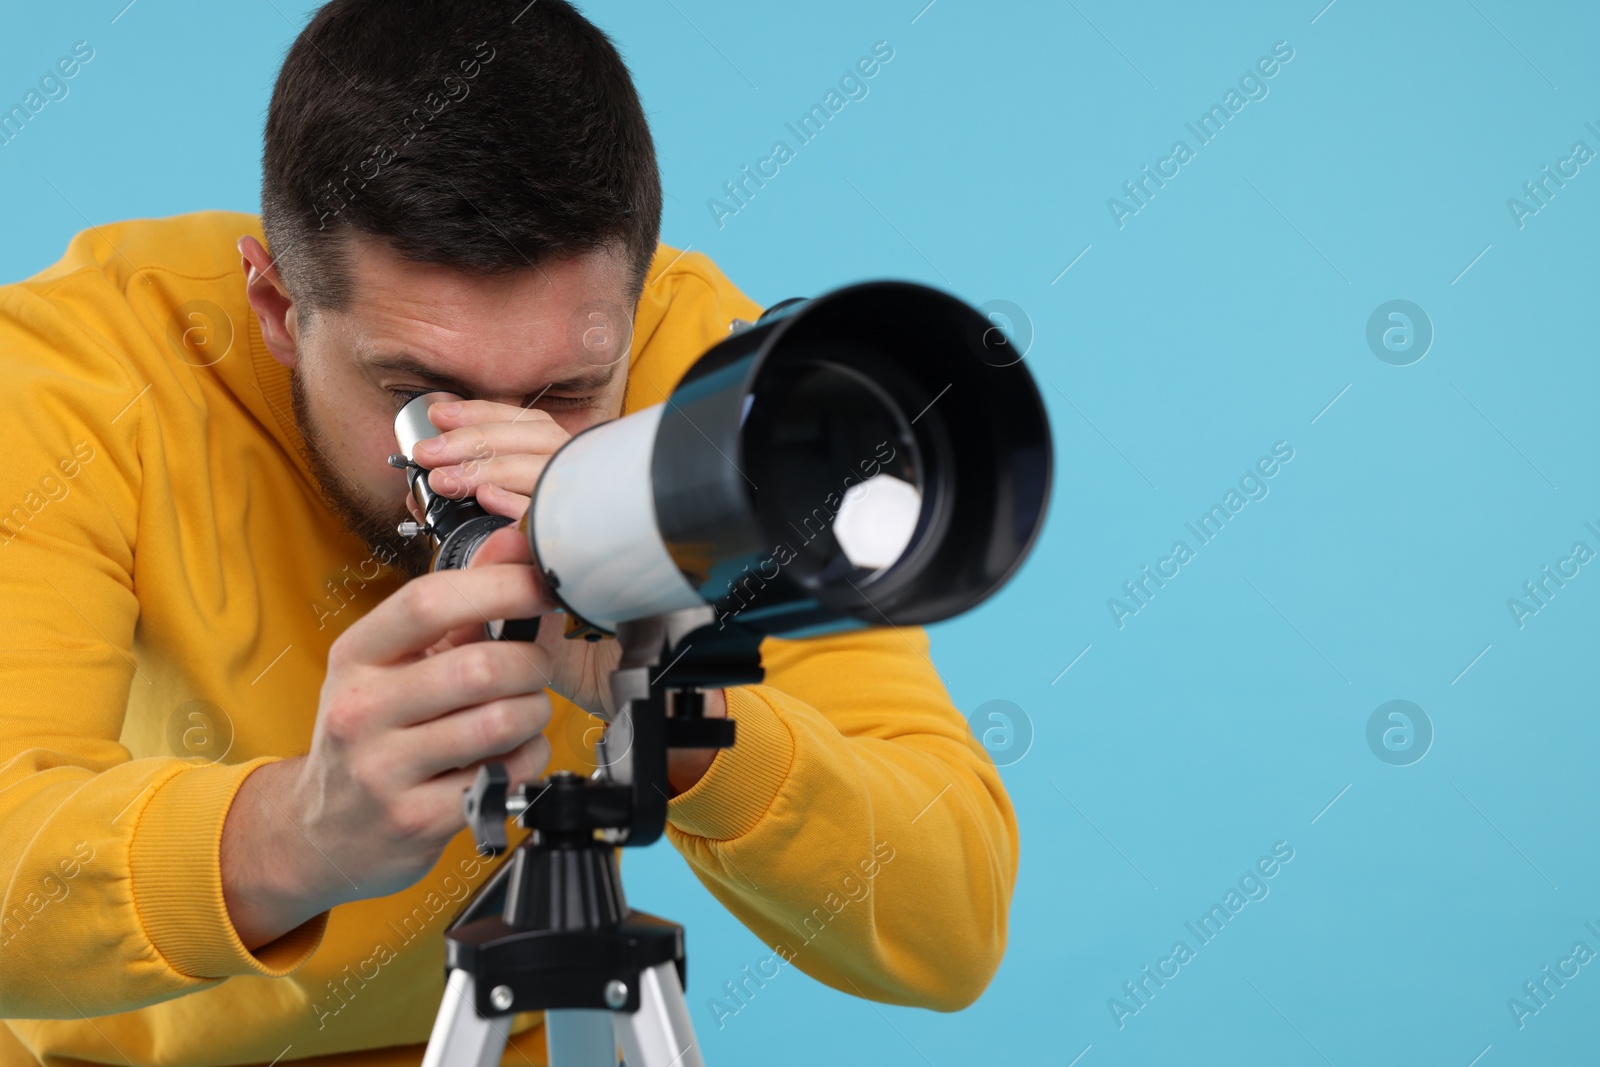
(461, 1037)
(579, 1037)
(659, 1033)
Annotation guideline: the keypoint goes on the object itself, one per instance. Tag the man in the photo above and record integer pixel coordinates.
(236, 712)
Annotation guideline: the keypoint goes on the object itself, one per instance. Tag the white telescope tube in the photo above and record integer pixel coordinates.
(595, 503)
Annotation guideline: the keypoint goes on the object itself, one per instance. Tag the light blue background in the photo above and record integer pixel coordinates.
(1223, 317)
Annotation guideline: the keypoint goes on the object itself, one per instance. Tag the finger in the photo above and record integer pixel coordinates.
(474, 734)
(433, 605)
(506, 545)
(449, 415)
(461, 635)
(484, 441)
(443, 793)
(498, 501)
(524, 765)
(518, 473)
(472, 673)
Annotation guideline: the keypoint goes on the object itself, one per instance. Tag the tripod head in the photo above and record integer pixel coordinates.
(658, 708)
(551, 929)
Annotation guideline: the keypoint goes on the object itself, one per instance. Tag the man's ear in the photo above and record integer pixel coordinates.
(270, 299)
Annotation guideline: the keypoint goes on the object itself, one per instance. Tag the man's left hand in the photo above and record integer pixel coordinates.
(498, 451)
(495, 451)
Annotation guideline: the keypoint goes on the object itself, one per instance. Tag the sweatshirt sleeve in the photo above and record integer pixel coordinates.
(110, 888)
(857, 826)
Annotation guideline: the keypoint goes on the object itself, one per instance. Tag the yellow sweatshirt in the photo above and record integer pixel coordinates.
(172, 581)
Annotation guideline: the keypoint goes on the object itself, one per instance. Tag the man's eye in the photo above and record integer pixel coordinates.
(403, 397)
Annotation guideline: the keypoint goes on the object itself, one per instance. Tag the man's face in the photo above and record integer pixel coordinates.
(550, 339)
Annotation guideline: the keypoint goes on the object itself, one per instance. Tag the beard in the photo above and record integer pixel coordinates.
(372, 521)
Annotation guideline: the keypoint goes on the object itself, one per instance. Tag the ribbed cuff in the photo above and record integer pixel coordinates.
(176, 870)
(744, 780)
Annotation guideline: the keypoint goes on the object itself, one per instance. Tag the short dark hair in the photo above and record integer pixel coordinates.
(487, 136)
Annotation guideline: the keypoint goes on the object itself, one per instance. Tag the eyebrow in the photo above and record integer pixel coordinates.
(401, 363)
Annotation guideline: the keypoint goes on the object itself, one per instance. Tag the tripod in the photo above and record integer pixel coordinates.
(551, 929)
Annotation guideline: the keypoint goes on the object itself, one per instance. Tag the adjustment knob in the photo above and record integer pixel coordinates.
(484, 804)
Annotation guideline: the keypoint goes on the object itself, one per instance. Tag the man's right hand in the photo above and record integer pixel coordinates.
(414, 701)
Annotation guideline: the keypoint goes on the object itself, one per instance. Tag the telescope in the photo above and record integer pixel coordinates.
(878, 455)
